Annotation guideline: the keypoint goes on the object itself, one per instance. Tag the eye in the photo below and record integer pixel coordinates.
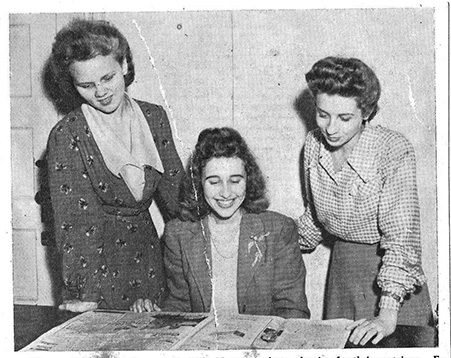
(85, 85)
(108, 77)
(346, 118)
(236, 180)
(213, 181)
(322, 114)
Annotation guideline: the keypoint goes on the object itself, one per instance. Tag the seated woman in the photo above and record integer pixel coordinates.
(227, 254)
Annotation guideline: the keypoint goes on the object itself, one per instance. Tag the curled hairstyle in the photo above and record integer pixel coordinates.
(82, 40)
(346, 77)
(217, 143)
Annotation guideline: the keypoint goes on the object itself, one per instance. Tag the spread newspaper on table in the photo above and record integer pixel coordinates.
(162, 331)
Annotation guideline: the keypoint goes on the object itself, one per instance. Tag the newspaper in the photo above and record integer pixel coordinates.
(164, 331)
(266, 332)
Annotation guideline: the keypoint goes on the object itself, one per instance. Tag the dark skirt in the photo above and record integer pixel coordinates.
(352, 291)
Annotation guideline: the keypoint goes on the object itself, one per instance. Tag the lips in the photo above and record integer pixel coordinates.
(225, 204)
(333, 139)
(106, 101)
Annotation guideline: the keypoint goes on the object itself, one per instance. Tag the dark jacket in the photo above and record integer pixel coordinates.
(275, 285)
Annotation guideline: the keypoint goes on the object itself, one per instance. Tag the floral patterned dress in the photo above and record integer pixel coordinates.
(111, 253)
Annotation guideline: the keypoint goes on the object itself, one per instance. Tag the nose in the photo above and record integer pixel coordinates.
(332, 126)
(225, 190)
(100, 90)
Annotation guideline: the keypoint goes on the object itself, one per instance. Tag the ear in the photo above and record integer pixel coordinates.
(124, 66)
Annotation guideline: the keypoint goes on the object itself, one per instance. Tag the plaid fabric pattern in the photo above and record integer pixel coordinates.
(373, 198)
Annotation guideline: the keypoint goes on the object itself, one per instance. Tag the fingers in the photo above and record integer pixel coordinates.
(144, 305)
(365, 331)
(354, 324)
(148, 306)
(138, 306)
(378, 338)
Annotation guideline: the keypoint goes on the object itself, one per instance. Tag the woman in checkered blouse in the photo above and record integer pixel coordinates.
(361, 188)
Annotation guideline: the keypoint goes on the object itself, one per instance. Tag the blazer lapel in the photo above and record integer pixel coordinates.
(197, 252)
(252, 250)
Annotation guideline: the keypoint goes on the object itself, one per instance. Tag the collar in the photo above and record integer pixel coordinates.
(362, 158)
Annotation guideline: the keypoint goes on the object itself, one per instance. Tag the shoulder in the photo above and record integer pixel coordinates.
(390, 142)
(272, 220)
(178, 227)
(69, 126)
(312, 142)
(149, 108)
(313, 137)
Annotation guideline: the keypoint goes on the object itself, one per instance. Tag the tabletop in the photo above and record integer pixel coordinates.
(30, 322)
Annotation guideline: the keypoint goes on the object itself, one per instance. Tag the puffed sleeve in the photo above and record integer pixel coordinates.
(309, 230)
(399, 222)
(77, 217)
(178, 298)
(168, 188)
(289, 290)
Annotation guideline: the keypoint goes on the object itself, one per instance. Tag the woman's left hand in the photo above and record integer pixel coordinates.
(144, 305)
(380, 326)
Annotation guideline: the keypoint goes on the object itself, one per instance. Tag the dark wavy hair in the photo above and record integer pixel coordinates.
(347, 77)
(217, 143)
(82, 40)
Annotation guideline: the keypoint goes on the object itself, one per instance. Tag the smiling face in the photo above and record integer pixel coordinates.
(339, 119)
(100, 81)
(224, 185)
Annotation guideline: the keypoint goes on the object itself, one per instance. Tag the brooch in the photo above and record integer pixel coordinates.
(255, 241)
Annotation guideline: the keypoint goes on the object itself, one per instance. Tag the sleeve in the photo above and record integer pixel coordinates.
(76, 216)
(399, 222)
(310, 232)
(289, 276)
(178, 298)
(168, 188)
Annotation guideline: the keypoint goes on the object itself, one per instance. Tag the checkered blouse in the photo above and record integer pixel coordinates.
(372, 199)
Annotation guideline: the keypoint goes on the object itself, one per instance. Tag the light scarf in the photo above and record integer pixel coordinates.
(126, 146)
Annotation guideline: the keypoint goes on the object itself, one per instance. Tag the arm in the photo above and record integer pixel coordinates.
(168, 188)
(73, 220)
(289, 276)
(399, 222)
(178, 298)
(309, 230)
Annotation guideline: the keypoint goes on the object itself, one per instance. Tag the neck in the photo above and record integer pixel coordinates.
(234, 219)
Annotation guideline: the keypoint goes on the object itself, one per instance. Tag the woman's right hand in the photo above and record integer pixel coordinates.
(144, 305)
(78, 306)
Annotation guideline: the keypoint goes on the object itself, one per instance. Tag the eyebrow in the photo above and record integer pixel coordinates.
(102, 78)
(340, 114)
(217, 176)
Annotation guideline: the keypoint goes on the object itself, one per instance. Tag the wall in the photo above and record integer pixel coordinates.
(246, 69)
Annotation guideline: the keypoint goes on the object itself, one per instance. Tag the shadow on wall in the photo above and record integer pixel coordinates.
(304, 105)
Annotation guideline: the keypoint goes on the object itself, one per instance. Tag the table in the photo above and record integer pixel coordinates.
(30, 322)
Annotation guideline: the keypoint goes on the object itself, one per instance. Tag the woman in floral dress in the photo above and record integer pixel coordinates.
(108, 158)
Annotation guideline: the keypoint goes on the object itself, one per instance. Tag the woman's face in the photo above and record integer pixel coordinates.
(100, 81)
(339, 120)
(224, 184)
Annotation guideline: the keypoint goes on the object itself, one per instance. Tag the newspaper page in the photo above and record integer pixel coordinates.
(266, 332)
(163, 331)
(118, 330)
